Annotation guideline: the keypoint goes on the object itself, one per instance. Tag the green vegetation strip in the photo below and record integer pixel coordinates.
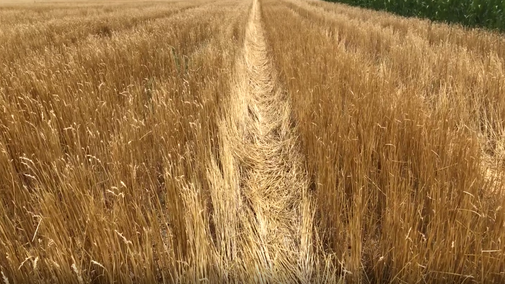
(472, 13)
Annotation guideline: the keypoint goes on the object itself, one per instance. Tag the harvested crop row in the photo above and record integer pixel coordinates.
(399, 134)
(435, 34)
(63, 32)
(103, 150)
(17, 15)
(468, 77)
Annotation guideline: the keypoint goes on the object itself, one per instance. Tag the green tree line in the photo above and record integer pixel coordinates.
(472, 13)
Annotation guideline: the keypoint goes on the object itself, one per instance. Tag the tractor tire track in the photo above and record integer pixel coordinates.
(262, 209)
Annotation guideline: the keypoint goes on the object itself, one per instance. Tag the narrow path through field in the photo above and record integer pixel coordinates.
(262, 210)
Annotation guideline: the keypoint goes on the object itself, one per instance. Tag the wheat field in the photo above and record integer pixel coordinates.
(256, 141)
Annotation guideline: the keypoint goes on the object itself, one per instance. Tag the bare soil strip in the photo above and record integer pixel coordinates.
(262, 211)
